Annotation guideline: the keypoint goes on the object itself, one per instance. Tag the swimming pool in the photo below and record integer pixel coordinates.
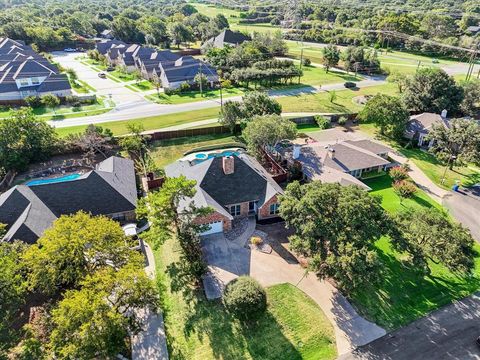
(68, 177)
(204, 156)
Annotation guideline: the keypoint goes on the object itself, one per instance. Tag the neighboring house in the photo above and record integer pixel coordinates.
(344, 163)
(226, 37)
(24, 73)
(104, 46)
(106, 34)
(183, 70)
(233, 186)
(108, 190)
(149, 66)
(473, 30)
(419, 126)
(126, 59)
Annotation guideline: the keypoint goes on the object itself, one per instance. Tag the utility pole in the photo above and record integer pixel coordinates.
(201, 79)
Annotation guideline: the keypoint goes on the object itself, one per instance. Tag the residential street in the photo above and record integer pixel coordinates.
(448, 333)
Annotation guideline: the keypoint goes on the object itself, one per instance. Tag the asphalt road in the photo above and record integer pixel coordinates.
(448, 333)
(465, 207)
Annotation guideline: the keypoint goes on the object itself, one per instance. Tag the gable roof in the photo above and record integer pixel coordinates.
(185, 69)
(424, 122)
(227, 37)
(347, 157)
(105, 45)
(249, 182)
(29, 210)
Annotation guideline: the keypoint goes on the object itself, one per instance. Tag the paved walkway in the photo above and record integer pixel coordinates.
(448, 333)
(228, 260)
(150, 343)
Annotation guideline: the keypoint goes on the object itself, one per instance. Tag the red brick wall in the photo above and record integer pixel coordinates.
(264, 211)
(214, 217)
(243, 209)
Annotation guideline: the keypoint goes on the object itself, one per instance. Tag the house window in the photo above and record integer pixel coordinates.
(23, 82)
(35, 81)
(235, 210)
(274, 209)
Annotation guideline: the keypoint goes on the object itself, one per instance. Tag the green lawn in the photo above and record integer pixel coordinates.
(320, 102)
(149, 123)
(165, 152)
(143, 85)
(402, 296)
(430, 165)
(313, 75)
(194, 96)
(81, 86)
(293, 328)
(314, 53)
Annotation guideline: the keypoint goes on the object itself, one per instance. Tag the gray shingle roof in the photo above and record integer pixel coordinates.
(424, 122)
(109, 189)
(249, 182)
(347, 157)
(186, 68)
(105, 45)
(227, 37)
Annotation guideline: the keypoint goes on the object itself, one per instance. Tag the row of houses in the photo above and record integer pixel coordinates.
(23, 72)
(171, 69)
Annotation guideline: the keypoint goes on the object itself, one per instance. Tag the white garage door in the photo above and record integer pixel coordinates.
(215, 227)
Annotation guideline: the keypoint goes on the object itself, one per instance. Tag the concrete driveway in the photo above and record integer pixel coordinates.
(228, 260)
(448, 333)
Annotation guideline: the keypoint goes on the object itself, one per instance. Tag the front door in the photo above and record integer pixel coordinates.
(251, 207)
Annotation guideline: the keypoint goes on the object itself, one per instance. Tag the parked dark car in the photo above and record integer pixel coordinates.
(350, 85)
(102, 75)
(110, 68)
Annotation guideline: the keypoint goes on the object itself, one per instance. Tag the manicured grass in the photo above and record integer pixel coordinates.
(402, 296)
(81, 86)
(194, 96)
(293, 327)
(251, 28)
(313, 75)
(320, 102)
(165, 152)
(149, 123)
(432, 167)
(143, 85)
(314, 53)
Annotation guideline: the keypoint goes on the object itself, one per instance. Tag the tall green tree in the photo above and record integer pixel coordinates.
(264, 132)
(432, 90)
(180, 33)
(388, 113)
(231, 114)
(428, 236)
(336, 228)
(330, 56)
(471, 102)
(95, 320)
(74, 247)
(259, 103)
(458, 144)
(24, 139)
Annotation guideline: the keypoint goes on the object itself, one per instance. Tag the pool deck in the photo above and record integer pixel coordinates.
(55, 178)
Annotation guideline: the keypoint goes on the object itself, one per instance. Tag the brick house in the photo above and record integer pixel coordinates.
(233, 186)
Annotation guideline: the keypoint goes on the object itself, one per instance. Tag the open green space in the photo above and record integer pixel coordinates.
(313, 75)
(116, 75)
(80, 86)
(194, 96)
(435, 169)
(165, 152)
(402, 295)
(312, 52)
(320, 102)
(293, 327)
(149, 123)
(143, 85)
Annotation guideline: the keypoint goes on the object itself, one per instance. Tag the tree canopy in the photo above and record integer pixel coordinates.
(336, 228)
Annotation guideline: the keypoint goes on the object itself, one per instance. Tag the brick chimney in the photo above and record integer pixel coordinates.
(331, 152)
(228, 163)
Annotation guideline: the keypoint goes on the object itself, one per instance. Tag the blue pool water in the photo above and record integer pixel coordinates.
(69, 177)
(203, 156)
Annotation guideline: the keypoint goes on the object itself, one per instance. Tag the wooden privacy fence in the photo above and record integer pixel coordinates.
(173, 134)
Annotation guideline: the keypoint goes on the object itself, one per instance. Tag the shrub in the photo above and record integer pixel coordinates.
(256, 240)
(245, 298)
(306, 62)
(184, 87)
(33, 101)
(226, 84)
(342, 120)
(398, 173)
(322, 122)
(404, 189)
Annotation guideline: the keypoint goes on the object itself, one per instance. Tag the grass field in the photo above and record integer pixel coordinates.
(320, 102)
(403, 296)
(165, 152)
(149, 123)
(313, 75)
(143, 85)
(194, 96)
(293, 328)
(430, 165)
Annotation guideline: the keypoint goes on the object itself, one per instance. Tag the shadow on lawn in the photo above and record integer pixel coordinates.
(403, 295)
